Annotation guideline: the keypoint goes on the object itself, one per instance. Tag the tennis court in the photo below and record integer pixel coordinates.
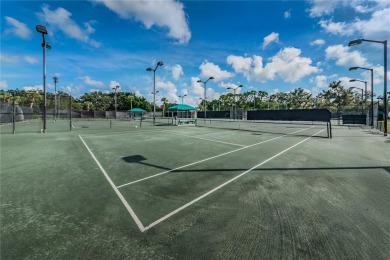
(174, 192)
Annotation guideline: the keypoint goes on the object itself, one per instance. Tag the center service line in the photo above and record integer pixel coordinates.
(129, 209)
(224, 184)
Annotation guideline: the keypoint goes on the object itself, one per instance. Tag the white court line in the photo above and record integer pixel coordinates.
(201, 138)
(224, 184)
(210, 158)
(129, 209)
(120, 133)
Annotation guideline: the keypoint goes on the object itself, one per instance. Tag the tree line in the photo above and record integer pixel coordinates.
(336, 97)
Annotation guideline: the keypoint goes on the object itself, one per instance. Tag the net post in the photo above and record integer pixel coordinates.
(13, 113)
(329, 126)
(70, 112)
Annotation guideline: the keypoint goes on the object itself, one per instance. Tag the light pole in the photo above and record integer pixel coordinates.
(115, 89)
(372, 98)
(362, 96)
(204, 83)
(55, 97)
(235, 105)
(182, 98)
(42, 29)
(160, 63)
(359, 41)
(372, 91)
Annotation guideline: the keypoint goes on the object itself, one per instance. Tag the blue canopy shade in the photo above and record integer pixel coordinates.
(137, 110)
(182, 107)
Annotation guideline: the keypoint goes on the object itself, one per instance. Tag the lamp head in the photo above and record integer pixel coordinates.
(229, 88)
(240, 86)
(41, 29)
(46, 45)
(352, 80)
(199, 81)
(211, 78)
(353, 68)
(160, 63)
(355, 42)
(149, 69)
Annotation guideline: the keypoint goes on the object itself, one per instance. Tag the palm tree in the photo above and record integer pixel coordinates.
(164, 100)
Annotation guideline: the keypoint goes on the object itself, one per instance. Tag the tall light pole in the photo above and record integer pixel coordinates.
(115, 89)
(160, 63)
(204, 84)
(372, 98)
(359, 41)
(55, 97)
(235, 105)
(42, 29)
(362, 96)
(182, 98)
(372, 91)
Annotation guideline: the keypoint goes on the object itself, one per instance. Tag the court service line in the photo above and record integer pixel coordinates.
(207, 159)
(224, 184)
(201, 138)
(127, 206)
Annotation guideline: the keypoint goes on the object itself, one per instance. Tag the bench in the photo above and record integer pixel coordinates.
(186, 121)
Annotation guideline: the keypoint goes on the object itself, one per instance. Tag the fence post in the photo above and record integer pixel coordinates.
(13, 112)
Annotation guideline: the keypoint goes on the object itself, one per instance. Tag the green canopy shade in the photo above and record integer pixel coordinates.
(137, 110)
(182, 107)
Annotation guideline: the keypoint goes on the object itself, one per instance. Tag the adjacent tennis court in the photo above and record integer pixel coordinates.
(206, 191)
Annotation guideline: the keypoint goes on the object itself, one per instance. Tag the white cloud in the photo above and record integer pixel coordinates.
(376, 27)
(30, 59)
(322, 7)
(165, 14)
(345, 57)
(240, 64)
(3, 84)
(177, 71)
(89, 81)
(113, 84)
(319, 81)
(340, 28)
(225, 86)
(287, 63)
(9, 58)
(317, 42)
(168, 90)
(17, 28)
(273, 37)
(33, 88)
(346, 84)
(60, 19)
(287, 14)
(209, 69)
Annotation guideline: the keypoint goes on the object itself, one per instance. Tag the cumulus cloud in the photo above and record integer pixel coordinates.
(345, 57)
(169, 89)
(89, 81)
(17, 28)
(3, 84)
(9, 58)
(60, 19)
(319, 81)
(318, 42)
(177, 71)
(165, 14)
(33, 88)
(287, 64)
(273, 37)
(240, 64)
(340, 28)
(209, 69)
(322, 7)
(113, 84)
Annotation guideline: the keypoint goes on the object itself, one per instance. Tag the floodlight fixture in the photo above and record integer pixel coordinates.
(359, 41)
(160, 63)
(204, 84)
(355, 42)
(41, 29)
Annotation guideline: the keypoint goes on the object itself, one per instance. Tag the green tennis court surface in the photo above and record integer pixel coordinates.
(189, 192)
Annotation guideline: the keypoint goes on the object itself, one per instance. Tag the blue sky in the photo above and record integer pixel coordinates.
(263, 45)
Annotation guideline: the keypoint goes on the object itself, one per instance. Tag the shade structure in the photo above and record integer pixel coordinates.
(137, 110)
(182, 107)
